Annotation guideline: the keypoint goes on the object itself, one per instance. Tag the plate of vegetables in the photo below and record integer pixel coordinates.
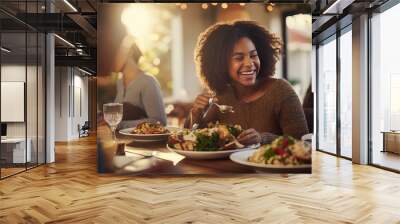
(214, 142)
(149, 132)
(284, 154)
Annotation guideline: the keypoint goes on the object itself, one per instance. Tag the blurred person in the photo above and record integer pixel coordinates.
(236, 61)
(139, 92)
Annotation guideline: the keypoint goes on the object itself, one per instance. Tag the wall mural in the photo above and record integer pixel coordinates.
(200, 88)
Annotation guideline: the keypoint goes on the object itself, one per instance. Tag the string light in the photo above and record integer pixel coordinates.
(270, 8)
(183, 6)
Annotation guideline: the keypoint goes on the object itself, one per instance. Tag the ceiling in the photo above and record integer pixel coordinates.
(76, 22)
(328, 13)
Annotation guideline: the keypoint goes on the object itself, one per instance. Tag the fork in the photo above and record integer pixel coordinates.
(222, 108)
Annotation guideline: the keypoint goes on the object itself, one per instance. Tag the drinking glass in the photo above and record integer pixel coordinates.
(112, 113)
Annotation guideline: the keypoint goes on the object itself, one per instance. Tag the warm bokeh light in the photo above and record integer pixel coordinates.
(148, 24)
(139, 22)
(224, 5)
(183, 6)
(269, 8)
(154, 37)
(204, 6)
(156, 61)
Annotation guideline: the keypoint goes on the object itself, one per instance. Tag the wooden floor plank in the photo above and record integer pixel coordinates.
(71, 191)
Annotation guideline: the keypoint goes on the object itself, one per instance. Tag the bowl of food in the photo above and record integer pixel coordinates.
(284, 154)
(149, 132)
(215, 141)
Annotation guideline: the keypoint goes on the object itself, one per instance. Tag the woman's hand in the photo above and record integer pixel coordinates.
(200, 104)
(249, 137)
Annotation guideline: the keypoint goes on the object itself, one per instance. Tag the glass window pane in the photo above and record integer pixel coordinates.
(31, 97)
(346, 94)
(13, 84)
(327, 97)
(23, 82)
(385, 84)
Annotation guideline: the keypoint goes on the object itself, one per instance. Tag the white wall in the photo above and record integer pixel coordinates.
(69, 85)
(13, 73)
(61, 103)
(80, 111)
(10, 73)
(33, 126)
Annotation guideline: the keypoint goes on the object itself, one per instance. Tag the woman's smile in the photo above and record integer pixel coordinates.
(244, 64)
(247, 77)
(251, 72)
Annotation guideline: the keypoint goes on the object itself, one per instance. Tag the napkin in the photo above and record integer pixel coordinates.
(175, 158)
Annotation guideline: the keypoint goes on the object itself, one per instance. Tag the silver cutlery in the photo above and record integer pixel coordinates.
(194, 126)
(222, 108)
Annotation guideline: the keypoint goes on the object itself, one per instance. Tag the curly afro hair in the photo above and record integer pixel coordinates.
(215, 45)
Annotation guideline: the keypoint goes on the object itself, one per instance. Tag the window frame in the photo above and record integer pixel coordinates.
(25, 30)
(342, 27)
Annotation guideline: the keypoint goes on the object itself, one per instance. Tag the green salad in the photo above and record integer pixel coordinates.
(213, 138)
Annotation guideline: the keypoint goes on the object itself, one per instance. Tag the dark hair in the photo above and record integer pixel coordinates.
(136, 53)
(215, 45)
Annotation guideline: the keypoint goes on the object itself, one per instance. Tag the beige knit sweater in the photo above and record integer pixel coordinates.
(277, 112)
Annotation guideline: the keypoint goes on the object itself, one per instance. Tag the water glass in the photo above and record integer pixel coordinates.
(112, 113)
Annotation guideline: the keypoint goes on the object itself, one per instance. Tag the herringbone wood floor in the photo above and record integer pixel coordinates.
(71, 191)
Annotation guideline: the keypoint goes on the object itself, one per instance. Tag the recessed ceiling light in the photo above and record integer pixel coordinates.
(65, 41)
(338, 6)
(5, 50)
(84, 71)
(70, 5)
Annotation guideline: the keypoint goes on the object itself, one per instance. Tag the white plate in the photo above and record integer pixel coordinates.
(242, 158)
(210, 154)
(148, 137)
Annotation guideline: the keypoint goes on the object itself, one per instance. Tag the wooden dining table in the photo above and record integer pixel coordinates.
(158, 166)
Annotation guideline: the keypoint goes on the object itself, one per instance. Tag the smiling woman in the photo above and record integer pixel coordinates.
(244, 64)
(236, 61)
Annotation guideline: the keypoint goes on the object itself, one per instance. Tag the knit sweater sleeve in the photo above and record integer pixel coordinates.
(289, 111)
